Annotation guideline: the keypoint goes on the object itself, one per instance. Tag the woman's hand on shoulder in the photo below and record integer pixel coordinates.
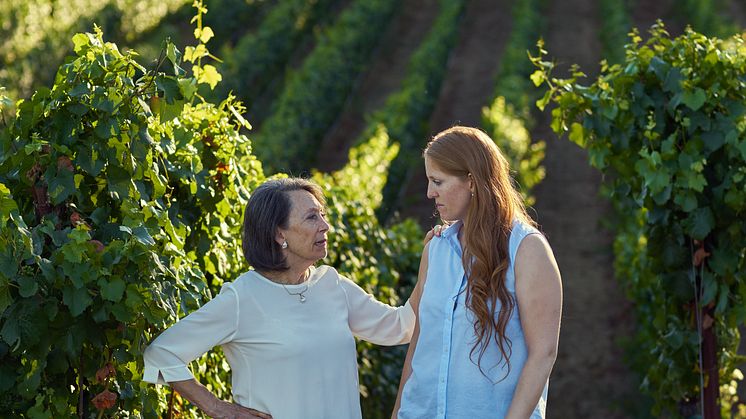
(433, 232)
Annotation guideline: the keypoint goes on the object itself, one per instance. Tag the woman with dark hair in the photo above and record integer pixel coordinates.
(489, 296)
(286, 327)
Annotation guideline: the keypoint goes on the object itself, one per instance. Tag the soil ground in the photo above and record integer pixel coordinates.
(738, 13)
(467, 87)
(383, 77)
(590, 379)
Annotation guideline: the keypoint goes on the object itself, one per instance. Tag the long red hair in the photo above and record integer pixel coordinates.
(495, 204)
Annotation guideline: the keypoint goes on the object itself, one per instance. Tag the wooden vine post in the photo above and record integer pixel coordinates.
(710, 367)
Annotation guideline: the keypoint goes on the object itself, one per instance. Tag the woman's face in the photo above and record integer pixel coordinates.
(306, 232)
(451, 193)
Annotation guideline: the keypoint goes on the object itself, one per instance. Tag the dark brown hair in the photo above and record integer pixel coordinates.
(267, 210)
(464, 151)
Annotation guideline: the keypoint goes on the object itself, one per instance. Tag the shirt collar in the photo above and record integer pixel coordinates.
(451, 232)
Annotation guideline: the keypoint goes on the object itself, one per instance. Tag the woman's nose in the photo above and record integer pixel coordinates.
(430, 192)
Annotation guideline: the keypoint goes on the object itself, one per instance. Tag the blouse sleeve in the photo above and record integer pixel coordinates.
(215, 323)
(375, 321)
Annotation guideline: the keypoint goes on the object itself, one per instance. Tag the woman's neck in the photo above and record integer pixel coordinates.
(292, 276)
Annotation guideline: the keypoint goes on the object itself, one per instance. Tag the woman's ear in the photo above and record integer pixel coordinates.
(471, 184)
(279, 237)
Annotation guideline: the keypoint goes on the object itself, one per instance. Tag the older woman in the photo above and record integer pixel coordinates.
(286, 327)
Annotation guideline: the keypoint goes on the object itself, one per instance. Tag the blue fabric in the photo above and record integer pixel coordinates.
(446, 381)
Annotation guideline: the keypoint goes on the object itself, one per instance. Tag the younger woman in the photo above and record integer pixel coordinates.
(489, 296)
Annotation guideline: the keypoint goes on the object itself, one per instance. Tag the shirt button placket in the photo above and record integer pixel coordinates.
(447, 334)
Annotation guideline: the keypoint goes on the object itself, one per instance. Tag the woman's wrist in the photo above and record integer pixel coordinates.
(200, 396)
(211, 408)
(219, 409)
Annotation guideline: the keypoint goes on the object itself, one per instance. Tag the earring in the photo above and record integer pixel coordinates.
(472, 194)
(284, 244)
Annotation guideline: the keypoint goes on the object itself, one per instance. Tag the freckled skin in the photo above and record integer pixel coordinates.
(452, 194)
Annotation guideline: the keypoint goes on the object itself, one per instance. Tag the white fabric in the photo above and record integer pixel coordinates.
(290, 359)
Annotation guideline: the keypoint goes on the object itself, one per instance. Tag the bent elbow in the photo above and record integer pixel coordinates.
(550, 354)
(545, 355)
(406, 327)
(408, 320)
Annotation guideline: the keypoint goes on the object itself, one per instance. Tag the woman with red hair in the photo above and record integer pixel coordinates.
(489, 295)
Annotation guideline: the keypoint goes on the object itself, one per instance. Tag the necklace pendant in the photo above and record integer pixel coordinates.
(301, 297)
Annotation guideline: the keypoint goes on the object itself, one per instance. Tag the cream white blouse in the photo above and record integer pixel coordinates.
(289, 358)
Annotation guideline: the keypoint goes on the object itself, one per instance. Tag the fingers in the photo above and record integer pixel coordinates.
(434, 232)
(428, 237)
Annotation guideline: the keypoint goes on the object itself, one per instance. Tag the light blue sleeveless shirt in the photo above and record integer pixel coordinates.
(446, 381)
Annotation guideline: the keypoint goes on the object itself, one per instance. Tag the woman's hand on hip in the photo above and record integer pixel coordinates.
(228, 410)
(199, 395)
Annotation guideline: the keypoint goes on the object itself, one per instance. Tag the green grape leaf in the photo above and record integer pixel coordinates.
(76, 299)
(143, 236)
(27, 286)
(112, 289)
(694, 99)
(700, 223)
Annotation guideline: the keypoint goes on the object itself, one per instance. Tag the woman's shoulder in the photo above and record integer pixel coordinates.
(528, 242)
(239, 285)
(321, 271)
(523, 228)
(324, 274)
(328, 275)
(523, 234)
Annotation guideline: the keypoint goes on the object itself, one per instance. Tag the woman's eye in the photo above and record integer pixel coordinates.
(437, 182)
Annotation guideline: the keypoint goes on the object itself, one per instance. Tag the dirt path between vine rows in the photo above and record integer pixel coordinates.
(646, 13)
(468, 85)
(590, 379)
(738, 13)
(383, 77)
